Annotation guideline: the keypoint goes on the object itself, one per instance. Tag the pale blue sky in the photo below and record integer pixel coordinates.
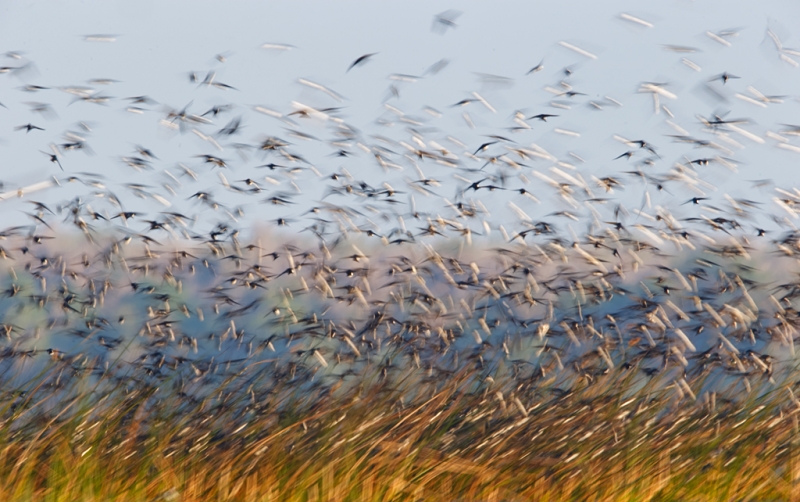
(159, 43)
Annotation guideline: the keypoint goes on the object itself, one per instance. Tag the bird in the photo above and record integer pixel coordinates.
(542, 116)
(695, 200)
(28, 128)
(539, 67)
(559, 284)
(360, 60)
(53, 158)
(445, 20)
(723, 77)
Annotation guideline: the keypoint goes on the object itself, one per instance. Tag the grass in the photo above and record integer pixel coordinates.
(347, 412)
(461, 439)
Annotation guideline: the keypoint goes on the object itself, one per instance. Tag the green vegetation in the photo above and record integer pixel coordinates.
(461, 438)
(446, 378)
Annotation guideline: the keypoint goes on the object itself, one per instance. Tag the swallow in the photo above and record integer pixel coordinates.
(724, 77)
(53, 158)
(216, 110)
(474, 186)
(695, 200)
(142, 100)
(361, 60)
(210, 159)
(464, 102)
(536, 69)
(445, 20)
(231, 127)
(144, 152)
(32, 88)
(28, 128)
(542, 116)
(484, 146)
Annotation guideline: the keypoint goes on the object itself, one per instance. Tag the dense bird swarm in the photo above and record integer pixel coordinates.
(364, 348)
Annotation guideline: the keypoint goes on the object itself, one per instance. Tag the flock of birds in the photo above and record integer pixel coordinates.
(385, 272)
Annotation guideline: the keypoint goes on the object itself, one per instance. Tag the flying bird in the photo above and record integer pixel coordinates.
(542, 116)
(28, 128)
(361, 60)
(724, 77)
(445, 20)
(53, 158)
(539, 67)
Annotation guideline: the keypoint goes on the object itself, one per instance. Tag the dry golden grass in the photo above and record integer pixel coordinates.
(454, 439)
(400, 410)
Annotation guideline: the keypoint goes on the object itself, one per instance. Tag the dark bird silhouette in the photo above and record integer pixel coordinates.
(695, 200)
(539, 67)
(542, 116)
(28, 128)
(484, 146)
(53, 158)
(723, 77)
(360, 61)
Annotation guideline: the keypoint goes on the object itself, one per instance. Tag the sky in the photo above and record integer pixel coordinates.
(610, 49)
